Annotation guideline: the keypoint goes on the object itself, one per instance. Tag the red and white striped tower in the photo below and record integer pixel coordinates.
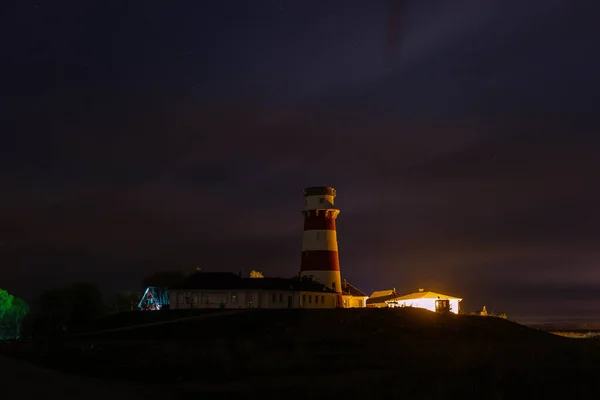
(319, 243)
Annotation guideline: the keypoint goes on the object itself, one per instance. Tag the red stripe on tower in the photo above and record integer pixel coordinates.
(320, 257)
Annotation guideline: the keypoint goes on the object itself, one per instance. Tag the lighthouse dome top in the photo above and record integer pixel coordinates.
(319, 191)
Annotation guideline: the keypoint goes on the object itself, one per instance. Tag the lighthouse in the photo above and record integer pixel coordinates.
(319, 242)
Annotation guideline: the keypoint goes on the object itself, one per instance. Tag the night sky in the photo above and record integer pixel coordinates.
(462, 138)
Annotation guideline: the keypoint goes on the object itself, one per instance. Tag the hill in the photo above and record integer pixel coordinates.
(18, 376)
(138, 318)
(353, 324)
(321, 353)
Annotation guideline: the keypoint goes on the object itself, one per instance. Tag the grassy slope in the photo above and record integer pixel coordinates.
(132, 318)
(308, 354)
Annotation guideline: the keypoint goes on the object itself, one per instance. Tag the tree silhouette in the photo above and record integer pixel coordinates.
(12, 312)
(164, 279)
(125, 301)
(76, 304)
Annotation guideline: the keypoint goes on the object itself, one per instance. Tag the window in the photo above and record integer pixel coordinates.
(310, 298)
(321, 200)
(280, 298)
(234, 297)
(273, 297)
(303, 299)
(316, 299)
(322, 299)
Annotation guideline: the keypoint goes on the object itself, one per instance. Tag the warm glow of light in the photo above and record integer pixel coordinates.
(256, 274)
(428, 304)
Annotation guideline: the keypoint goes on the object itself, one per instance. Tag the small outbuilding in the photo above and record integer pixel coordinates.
(353, 297)
(431, 301)
(382, 299)
(154, 298)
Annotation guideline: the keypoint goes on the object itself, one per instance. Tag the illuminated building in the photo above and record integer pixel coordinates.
(421, 299)
(153, 299)
(229, 290)
(320, 257)
(428, 300)
(382, 299)
(353, 297)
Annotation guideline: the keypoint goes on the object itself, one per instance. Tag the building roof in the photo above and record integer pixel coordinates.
(427, 295)
(230, 281)
(319, 190)
(349, 289)
(382, 296)
(381, 293)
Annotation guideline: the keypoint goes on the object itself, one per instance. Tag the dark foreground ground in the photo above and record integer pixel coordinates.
(361, 353)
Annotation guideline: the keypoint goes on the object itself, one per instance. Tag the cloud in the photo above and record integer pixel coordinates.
(467, 167)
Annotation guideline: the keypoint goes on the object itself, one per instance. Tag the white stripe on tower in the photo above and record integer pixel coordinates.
(319, 240)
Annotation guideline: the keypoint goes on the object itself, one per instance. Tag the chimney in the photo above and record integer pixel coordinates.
(421, 290)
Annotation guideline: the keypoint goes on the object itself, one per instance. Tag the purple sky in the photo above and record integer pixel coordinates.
(465, 155)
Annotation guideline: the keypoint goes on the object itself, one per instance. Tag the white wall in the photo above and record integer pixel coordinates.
(428, 304)
(355, 302)
(454, 306)
(360, 302)
(318, 300)
(181, 299)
